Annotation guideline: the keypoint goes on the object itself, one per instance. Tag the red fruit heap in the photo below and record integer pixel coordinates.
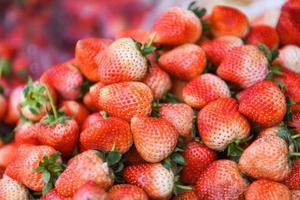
(196, 108)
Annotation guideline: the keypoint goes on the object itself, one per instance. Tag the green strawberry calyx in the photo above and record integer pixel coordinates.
(51, 168)
(147, 48)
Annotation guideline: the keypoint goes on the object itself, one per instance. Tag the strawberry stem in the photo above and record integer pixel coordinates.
(295, 136)
(151, 40)
(51, 102)
(184, 187)
(294, 154)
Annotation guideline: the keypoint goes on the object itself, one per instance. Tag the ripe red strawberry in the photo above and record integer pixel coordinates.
(184, 62)
(180, 115)
(288, 26)
(86, 166)
(126, 99)
(85, 53)
(204, 89)
(220, 47)
(266, 158)
(61, 134)
(88, 102)
(263, 34)
(228, 21)
(154, 179)
(158, 81)
(65, 78)
(139, 35)
(8, 154)
(20, 66)
(220, 123)
(28, 158)
(295, 121)
(186, 195)
(289, 57)
(221, 180)
(126, 191)
(265, 189)
(154, 138)
(3, 106)
(75, 110)
(293, 179)
(108, 133)
(53, 195)
(244, 66)
(263, 103)
(177, 26)
(92, 120)
(11, 189)
(95, 93)
(132, 157)
(13, 110)
(90, 190)
(123, 60)
(35, 103)
(26, 133)
(197, 157)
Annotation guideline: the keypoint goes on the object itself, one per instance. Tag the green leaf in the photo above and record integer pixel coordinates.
(148, 50)
(46, 176)
(205, 26)
(166, 163)
(283, 132)
(178, 158)
(266, 51)
(274, 54)
(119, 168)
(46, 188)
(113, 157)
(234, 150)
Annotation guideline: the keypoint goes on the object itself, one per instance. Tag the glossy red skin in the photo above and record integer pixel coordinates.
(90, 190)
(75, 110)
(263, 34)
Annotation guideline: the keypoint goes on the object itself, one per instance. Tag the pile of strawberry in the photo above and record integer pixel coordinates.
(201, 107)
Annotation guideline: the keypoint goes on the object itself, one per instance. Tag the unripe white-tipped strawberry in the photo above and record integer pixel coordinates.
(289, 57)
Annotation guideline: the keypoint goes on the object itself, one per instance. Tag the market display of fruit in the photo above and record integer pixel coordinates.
(202, 106)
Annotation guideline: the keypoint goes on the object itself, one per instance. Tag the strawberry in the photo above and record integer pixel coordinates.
(289, 57)
(3, 106)
(295, 194)
(228, 21)
(11, 189)
(26, 133)
(180, 115)
(244, 66)
(53, 195)
(75, 110)
(293, 179)
(221, 180)
(123, 60)
(266, 158)
(91, 120)
(220, 124)
(139, 35)
(85, 53)
(20, 67)
(220, 47)
(295, 122)
(158, 81)
(31, 166)
(126, 191)
(184, 62)
(266, 189)
(65, 78)
(86, 166)
(288, 26)
(126, 99)
(132, 157)
(197, 157)
(90, 190)
(8, 154)
(263, 103)
(263, 34)
(177, 26)
(95, 94)
(108, 133)
(13, 110)
(204, 89)
(186, 195)
(270, 131)
(88, 102)
(35, 102)
(154, 138)
(154, 179)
